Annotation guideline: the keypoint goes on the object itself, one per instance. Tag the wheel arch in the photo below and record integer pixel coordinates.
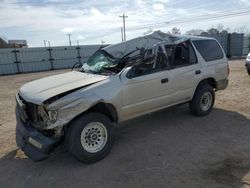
(103, 108)
(210, 81)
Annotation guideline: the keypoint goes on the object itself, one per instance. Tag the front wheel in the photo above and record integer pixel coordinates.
(90, 137)
(203, 100)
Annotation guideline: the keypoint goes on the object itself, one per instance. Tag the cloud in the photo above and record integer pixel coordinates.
(244, 2)
(164, 1)
(68, 30)
(95, 20)
(158, 6)
(80, 37)
(96, 13)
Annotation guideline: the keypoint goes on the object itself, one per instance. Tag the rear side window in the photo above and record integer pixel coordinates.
(209, 49)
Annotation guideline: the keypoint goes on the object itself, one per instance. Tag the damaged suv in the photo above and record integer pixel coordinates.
(117, 83)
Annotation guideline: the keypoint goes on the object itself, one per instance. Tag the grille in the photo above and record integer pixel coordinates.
(29, 109)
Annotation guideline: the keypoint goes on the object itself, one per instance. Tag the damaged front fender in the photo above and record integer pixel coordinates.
(69, 107)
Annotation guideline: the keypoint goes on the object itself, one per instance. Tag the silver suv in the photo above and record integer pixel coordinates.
(117, 83)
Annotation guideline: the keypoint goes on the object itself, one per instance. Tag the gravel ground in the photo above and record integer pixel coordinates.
(169, 148)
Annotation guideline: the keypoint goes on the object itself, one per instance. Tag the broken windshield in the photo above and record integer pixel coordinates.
(99, 62)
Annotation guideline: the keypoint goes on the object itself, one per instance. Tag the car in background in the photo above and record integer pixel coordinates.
(248, 63)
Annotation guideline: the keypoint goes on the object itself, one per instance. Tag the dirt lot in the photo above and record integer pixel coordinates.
(170, 148)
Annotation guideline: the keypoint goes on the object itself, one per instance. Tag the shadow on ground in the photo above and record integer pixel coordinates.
(169, 148)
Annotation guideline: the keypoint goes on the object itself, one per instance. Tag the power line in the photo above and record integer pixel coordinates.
(217, 15)
(216, 18)
(110, 32)
(204, 17)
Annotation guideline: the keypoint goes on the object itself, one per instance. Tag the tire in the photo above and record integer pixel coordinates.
(90, 137)
(248, 71)
(203, 100)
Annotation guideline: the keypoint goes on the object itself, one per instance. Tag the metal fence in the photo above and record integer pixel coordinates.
(234, 44)
(23, 60)
(246, 45)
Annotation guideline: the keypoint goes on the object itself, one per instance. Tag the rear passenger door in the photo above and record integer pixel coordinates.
(214, 61)
(184, 71)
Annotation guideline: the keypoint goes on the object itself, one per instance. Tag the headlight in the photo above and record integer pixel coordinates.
(52, 115)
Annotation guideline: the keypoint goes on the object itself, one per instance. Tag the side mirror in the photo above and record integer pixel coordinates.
(131, 73)
(77, 65)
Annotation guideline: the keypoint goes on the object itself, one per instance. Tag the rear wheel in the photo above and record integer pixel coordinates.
(203, 100)
(90, 137)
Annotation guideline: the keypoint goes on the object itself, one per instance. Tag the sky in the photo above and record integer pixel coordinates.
(93, 21)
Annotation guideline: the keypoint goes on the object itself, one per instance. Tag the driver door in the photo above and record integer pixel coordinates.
(145, 87)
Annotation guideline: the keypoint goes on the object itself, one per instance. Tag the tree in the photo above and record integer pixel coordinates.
(194, 32)
(242, 29)
(220, 27)
(213, 31)
(175, 30)
(224, 31)
(204, 34)
(150, 30)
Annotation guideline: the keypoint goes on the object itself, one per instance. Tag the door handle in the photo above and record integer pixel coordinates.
(198, 72)
(164, 80)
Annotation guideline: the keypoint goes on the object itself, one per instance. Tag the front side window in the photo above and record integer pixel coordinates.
(209, 49)
(149, 66)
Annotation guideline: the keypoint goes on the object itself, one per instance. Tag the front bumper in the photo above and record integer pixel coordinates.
(34, 144)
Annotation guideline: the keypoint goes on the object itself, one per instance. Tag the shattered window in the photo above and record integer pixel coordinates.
(170, 52)
(151, 65)
(161, 61)
(99, 61)
(146, 67)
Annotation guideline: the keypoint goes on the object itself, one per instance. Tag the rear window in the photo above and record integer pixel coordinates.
(209, 49)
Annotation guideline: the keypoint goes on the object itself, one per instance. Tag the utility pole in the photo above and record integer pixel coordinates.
(102, 42)
(122, 33)
(69, 35)
(44, 42)
(124, 28)
(77, 42)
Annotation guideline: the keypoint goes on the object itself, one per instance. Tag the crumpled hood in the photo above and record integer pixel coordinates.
(40, 90)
